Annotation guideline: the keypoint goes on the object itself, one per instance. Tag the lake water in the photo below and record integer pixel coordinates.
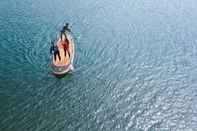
(135, 66)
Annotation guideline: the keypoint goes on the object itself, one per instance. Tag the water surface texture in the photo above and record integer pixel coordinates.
(135, 66)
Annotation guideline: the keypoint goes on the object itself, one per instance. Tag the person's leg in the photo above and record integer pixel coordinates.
(54, 55)
(58, 53)
(65, 52)
(69, 54)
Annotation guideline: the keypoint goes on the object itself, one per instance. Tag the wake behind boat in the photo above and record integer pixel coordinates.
(63, 53)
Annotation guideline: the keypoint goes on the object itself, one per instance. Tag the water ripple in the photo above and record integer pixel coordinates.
(135, 66)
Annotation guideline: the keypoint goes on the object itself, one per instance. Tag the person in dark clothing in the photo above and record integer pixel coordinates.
(54, 50)
(65, 27)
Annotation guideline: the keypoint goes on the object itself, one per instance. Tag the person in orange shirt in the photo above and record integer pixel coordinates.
(64, 39)
(65, 44)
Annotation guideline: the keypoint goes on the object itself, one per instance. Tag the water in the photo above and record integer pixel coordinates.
(135, 66)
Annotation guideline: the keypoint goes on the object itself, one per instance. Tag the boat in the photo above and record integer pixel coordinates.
(65, 65)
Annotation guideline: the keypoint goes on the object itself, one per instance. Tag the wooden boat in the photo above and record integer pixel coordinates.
(65, 64)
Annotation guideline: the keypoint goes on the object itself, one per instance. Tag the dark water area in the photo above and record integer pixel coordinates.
(135, 66)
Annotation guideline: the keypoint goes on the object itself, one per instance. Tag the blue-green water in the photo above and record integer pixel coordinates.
(135, 66)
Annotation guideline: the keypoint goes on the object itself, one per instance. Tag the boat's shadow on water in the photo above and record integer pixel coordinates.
(68, 74)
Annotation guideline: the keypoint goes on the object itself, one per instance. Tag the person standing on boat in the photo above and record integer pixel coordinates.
(65, 27)
(64, 39)
(54, 50)
(65, 45)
